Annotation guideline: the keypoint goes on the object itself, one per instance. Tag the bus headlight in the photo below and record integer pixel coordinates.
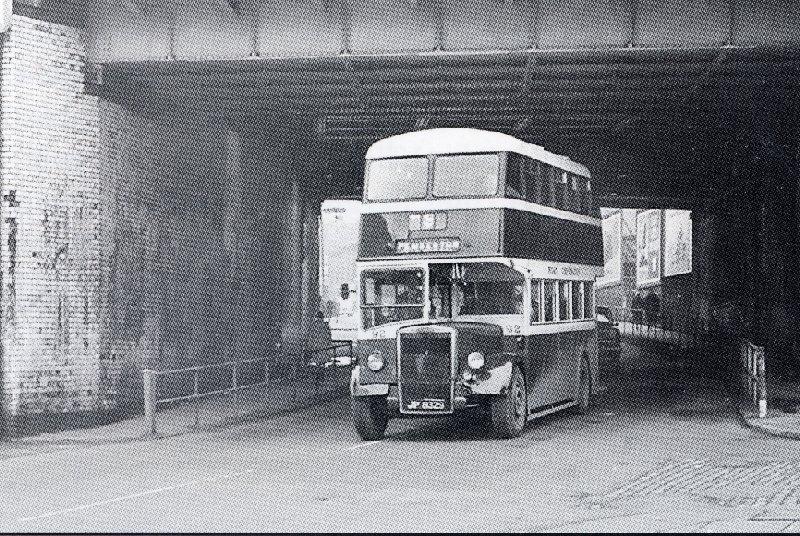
(475, 360)
(375, 361)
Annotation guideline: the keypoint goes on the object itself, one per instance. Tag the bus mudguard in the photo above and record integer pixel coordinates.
(356, 389)
(494, 381)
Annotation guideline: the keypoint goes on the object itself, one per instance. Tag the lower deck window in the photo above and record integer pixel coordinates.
(536, 301)
(559, 301)
(550, 292)
(564, 301)
(577, 300)
(588, 299)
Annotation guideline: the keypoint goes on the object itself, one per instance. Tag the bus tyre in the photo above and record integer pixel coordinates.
(370, 416)
(585, 389)
(510, 412)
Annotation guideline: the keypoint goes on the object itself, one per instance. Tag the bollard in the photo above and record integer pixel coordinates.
(762, 387)
(234, 381)
(196, 399)
(149, 402)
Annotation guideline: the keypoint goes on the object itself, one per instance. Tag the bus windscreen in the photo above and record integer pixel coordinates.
(467, 175)
(397, 179)
(391, 296)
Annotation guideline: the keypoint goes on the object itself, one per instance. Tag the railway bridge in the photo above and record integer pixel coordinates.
(164, 160)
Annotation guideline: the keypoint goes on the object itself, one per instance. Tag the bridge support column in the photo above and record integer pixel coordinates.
(777, 289)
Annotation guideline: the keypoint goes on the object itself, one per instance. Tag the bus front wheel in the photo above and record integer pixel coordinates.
(510, 412)
(370, 416)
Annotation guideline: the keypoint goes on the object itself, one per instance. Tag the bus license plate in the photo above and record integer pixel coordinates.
(426, 405)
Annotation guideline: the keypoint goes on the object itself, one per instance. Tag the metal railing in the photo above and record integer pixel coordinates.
(339, 353)
(636, 323)
(752, 375)
(674, 329)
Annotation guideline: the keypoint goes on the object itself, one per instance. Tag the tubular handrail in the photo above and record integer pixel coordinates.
(150, 377)
(205, 367)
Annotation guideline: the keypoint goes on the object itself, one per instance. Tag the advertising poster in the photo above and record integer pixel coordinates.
(612, 250)
(677, 242)
(648, 247)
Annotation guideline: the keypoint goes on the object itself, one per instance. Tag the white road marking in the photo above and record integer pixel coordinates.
(365, 444)
(155, 491)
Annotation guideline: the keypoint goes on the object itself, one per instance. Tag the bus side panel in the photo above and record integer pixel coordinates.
(570, 349)
(554, 365)
(528, 235)
(591, 351)
(543, 369)
(574, 345)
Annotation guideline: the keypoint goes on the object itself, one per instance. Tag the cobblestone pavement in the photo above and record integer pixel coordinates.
(660, 451)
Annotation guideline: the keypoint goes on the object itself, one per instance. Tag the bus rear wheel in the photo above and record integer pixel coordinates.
(510, 412)
(370, 416)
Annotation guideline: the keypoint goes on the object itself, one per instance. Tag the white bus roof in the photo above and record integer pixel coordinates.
(466, 140)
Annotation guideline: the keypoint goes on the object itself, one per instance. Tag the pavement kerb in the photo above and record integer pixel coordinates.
(750, 420)
(788, 433)
(140, 435)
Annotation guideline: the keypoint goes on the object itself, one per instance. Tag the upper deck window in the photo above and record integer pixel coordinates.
(397, 178)
(468, 175)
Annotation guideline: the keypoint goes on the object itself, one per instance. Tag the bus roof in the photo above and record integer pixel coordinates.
(466, 140)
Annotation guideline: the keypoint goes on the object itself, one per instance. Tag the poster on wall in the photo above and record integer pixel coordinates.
(677, 242)
(648, 247)
(612, 250)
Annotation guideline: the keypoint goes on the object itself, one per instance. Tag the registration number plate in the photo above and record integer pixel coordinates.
(426, 405)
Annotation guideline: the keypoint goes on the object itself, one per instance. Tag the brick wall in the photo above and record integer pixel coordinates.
(49, 242)
(131, 237)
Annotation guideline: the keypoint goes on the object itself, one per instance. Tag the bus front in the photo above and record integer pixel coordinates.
(438, 301)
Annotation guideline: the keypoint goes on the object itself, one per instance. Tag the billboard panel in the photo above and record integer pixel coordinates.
(648, 247)
(677, 242)
(612, 250)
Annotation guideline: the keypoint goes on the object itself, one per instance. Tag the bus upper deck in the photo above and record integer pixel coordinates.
(464, 164)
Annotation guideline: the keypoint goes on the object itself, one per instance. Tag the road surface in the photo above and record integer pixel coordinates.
(660, 450)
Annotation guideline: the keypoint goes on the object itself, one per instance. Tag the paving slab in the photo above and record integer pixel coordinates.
(277, 397)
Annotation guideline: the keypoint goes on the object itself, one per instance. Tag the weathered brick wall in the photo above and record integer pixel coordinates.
(49, 242)
(133, 238)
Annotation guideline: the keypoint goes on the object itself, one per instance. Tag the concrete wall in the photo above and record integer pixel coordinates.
(201, 237)
(756, 238)
(134, 238)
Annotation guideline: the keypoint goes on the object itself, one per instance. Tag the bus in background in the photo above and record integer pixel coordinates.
(477, 256)
(338, 285)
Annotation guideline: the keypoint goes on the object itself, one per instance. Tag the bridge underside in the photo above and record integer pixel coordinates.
(650, 94)
(664, 124)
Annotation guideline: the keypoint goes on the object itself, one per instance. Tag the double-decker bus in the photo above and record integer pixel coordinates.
(477, 256)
